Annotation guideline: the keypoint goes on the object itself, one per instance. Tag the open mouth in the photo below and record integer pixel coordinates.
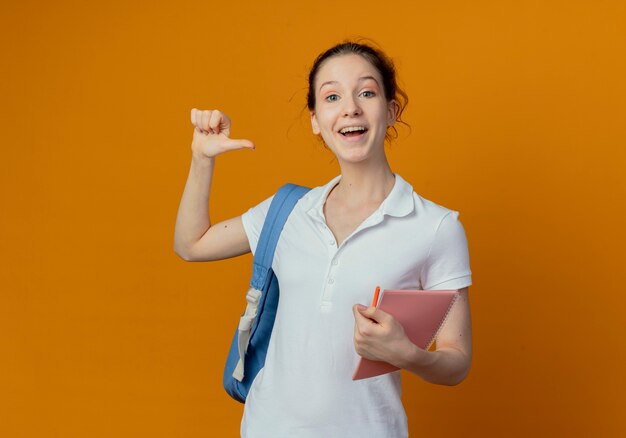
(353, 131)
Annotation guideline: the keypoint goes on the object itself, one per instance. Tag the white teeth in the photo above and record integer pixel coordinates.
(352, 129)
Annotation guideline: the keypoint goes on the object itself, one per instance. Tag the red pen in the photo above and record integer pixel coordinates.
(375, 300)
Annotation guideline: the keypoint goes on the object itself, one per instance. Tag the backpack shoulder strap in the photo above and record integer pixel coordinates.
(283, 203)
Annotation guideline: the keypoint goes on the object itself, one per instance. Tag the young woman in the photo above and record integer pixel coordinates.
(364, 228)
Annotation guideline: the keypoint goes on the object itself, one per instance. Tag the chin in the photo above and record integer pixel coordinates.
(354, 157)
(354, 154)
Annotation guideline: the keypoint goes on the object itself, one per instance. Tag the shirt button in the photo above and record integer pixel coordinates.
(331, 281)
(335, 262)
(332, 242)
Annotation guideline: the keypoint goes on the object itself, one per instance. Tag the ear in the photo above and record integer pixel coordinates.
(314, 125)
(391, 113)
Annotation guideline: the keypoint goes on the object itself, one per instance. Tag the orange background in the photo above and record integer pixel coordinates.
(517, 112)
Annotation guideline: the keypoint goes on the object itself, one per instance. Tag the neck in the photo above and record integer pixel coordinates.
(365, 182)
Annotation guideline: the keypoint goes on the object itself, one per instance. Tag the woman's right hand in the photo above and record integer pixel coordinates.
(211, 134)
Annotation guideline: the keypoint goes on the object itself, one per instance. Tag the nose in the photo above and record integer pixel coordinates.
(351, 106)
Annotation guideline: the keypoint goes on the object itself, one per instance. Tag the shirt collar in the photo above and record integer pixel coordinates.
(398, 203)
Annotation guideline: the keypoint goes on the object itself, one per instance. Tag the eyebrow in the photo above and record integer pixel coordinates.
(361, 79)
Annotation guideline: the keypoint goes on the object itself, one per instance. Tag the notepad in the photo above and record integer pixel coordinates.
(421, 313)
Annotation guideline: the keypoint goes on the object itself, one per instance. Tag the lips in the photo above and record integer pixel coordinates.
(353, 131)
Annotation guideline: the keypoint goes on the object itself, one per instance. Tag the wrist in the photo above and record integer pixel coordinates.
(201, 160)
(414, 358)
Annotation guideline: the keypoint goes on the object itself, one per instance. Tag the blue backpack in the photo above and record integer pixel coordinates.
(249, 346)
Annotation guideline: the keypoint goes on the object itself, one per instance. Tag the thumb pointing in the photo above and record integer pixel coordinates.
(239, 144)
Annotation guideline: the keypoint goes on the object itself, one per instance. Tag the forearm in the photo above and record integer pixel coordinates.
(445, 366)
(192, 220)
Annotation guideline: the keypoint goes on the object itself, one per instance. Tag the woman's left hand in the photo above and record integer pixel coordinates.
(379, 336)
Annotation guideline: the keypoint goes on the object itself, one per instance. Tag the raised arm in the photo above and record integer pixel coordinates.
(195, 239)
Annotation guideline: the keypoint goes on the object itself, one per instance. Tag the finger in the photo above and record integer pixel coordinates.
(359, 339)
(360, 313)
(215, 122)
(368, 312)
(206, 117)
(356, 309)
(360, 322)
(198, 120)
(232, 144)
(374, 314)
(225, 125)
(364, 329)
(193, 116)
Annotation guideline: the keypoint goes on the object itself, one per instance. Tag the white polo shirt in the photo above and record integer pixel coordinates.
(306, 389)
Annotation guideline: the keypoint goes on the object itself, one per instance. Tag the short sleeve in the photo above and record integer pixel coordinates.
(447, 266)
(253, 220)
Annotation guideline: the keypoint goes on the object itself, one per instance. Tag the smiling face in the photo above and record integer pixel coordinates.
(351, 112)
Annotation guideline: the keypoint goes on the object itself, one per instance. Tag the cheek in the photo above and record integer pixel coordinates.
(326, 136)
(326, 119)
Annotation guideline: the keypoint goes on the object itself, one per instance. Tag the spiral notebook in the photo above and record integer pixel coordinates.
(421, 313)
